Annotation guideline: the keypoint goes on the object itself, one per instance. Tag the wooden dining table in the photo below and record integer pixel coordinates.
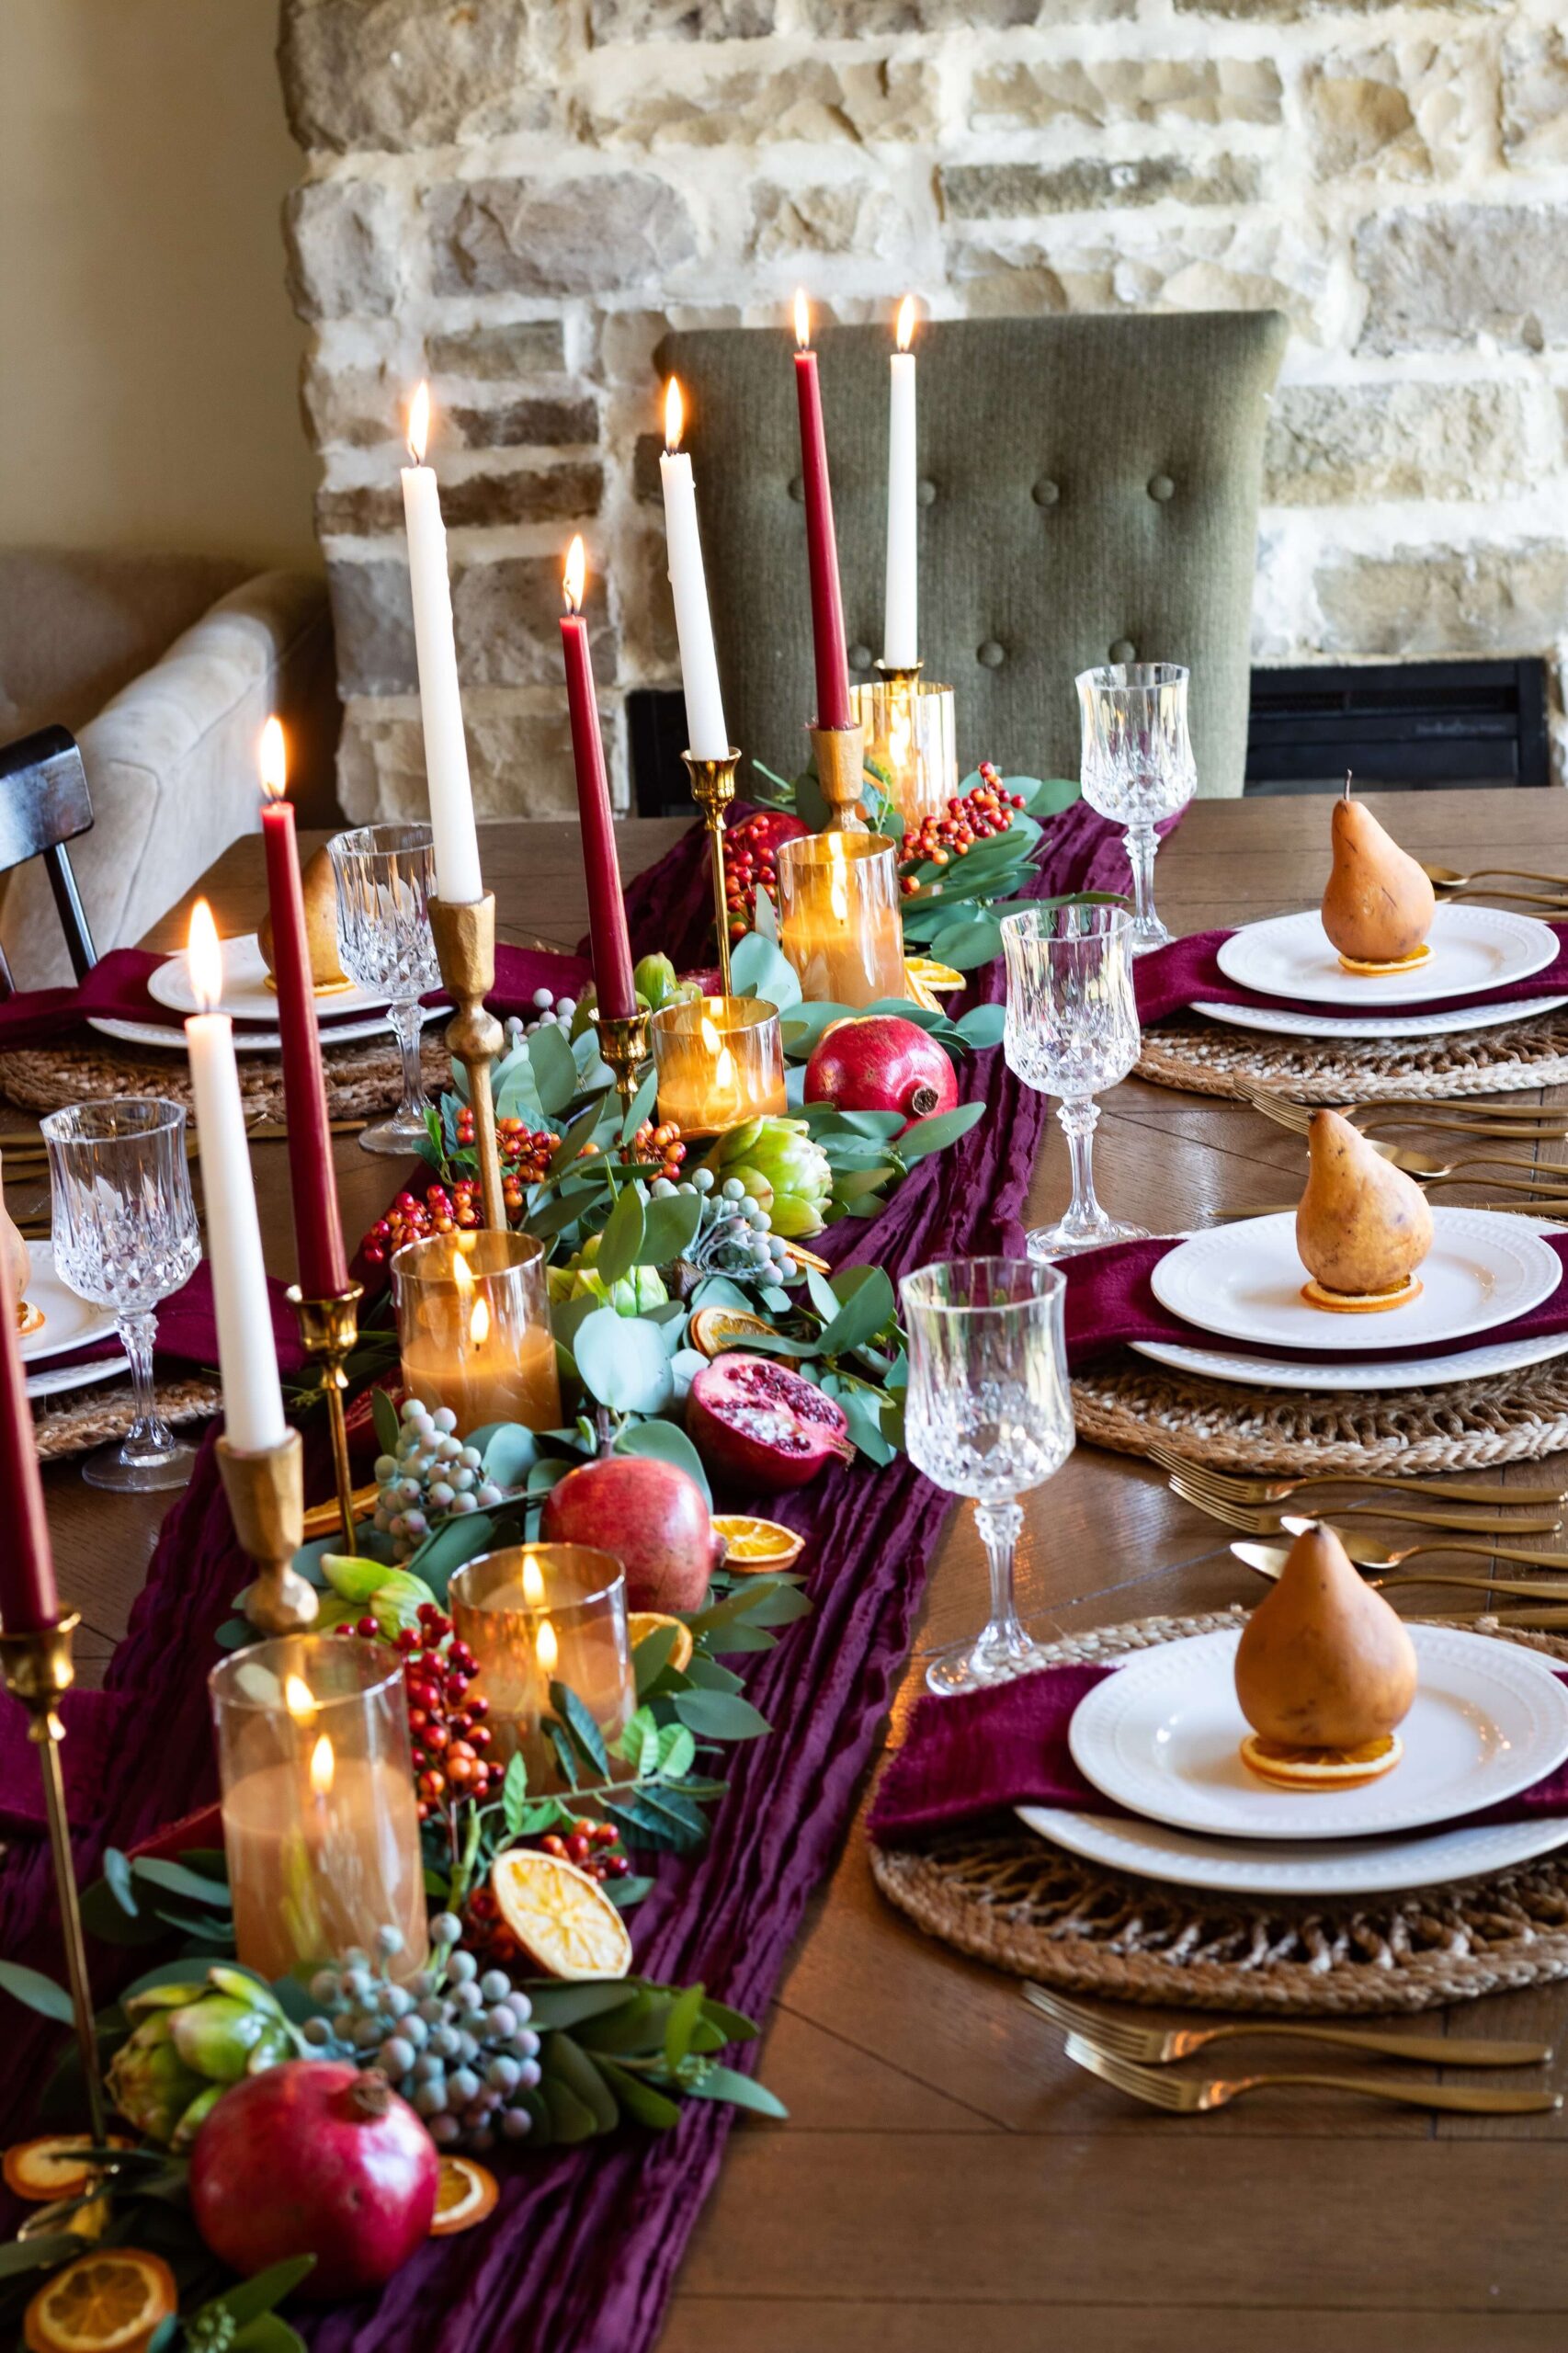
(947, 2179)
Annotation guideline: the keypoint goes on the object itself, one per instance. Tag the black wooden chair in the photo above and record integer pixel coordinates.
(44, 804)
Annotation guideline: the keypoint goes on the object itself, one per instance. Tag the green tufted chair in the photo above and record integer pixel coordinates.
(1089, 492)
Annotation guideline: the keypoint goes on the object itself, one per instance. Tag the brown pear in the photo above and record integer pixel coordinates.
(318, 887)
(1362, 1225)
(20, 1266)
(1378, 905)
(1324, 1661)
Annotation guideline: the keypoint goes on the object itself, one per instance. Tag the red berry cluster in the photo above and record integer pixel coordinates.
(967, 818)
(658, 1149)
(444, 1209)
(751, 856)
(594, 1846)
(451, 1734)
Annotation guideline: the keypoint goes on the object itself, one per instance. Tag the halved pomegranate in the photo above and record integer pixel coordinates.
(758, 1425)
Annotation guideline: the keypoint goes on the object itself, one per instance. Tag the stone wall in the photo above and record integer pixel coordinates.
(515, 196)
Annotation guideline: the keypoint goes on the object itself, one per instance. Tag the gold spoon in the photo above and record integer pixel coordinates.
(1447, 877)
(1268, 1561)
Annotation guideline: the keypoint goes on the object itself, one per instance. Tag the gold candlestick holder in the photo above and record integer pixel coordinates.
(328, 1330)
(38, 1669)
(266, 1502)
(623, 1045)
(840, 754)
(713, 789)
(465, 949)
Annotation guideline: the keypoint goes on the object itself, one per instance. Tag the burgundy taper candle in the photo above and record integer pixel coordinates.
(608, 943)
(28, 1599)
(822, 546)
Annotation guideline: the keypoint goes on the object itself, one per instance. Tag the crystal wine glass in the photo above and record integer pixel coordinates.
(1072, 1030)
(386, 878)
(125, 1236)
(988, 1415)
(1137, 766)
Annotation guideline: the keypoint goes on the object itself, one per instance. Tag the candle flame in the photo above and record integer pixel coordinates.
(324, 1765)
(299, 1698)
(802, 318)
(533, 1580)
(419, 423)
(462, 1276)
(905, 330)
(547, 1650)
(479, 1324)
(838, 876)
(204, 957)
(273, 760)
(724, 1061)
(675, 413)
(575, 575)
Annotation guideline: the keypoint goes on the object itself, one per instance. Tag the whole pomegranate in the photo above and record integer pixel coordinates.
(883, 1064)
(652, 1516)
(758, 1425)
(314, 2158)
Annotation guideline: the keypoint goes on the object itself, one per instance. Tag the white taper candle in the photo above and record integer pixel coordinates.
(706, 736)
(458, 878)
(901, 611)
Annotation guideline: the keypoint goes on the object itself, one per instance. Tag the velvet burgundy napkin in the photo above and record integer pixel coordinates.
(1187, 972)
(982, 1752)
(187, 1330)
(1110, 1302)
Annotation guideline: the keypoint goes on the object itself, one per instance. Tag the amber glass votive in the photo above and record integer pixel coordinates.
(319, 1822)
(537, 1614)
(473, 1324)
(911, 736)
(720, 1059)
(838, 919)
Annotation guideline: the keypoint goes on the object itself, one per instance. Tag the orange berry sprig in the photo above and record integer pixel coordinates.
(967, 818)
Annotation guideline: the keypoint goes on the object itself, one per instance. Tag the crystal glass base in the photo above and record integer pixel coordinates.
(140, 1474)
(1001, 1654)
(395, 1138)
(1148, 932)
(1069, 1234)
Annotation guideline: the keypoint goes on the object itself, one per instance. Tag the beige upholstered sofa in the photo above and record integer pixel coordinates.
(165, 669)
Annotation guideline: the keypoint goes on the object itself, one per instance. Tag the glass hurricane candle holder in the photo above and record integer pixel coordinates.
(720, 1059)
(320, 1821)
(911, 736)
(838, 917)
(473, 1326)
(537, 1614)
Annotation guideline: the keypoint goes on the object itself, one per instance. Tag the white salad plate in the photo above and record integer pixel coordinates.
(68, 1322)
(247, 997)
(56, 1382)
(1162, 1737)
(1244, 1280)
(1350, 1373)
(1279, 1021)
(1473, 948)
(1317, 1867)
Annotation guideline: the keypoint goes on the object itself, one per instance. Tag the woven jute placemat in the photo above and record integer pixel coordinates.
(83, 1419)
(1004, 1896)
(1208, 1058)
(360, 1080)
(1464, 1426)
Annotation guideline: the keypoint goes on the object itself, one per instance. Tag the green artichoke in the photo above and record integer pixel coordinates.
(189, 2043)
(782, 1167)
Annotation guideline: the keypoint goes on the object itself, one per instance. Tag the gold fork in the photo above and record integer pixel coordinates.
(1190, 2095)
(1251, 1522)
(1519, 1122)
(1447, 878)
(1269, 1560)
(1230, 1486)
(1155, 2046)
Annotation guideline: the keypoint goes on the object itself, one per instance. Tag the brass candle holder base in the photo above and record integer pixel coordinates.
(465, 949)
(266, 1502)
(713, 789)
(328, 1330)
(39, 1670)
(624, 1043)
(901, 674)
(840, 754)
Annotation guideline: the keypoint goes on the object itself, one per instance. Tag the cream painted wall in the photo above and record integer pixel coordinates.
(148, 354)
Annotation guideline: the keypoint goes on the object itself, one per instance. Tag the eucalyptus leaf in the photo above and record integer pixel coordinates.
(566, 2061)
(383, 1415)
(1045, 797)
(510, 1454)
(257, 2294)
(740, 2091)
(553, 1068)
(665, 1442)
(38, 1992)
(765, 916)
(680, 2026)
(982, 1026)
(976, 941)
(117, 1872)
(943, 1128)
(803, 1029)
(622, 1362)
(555, 2005)
(652, 1655)
(758, 968)
(641, 2101)
(444, 1551)
(720, 1715)
(176, 1880)
(621, 1243)
(669, 1228)
(516, 1095)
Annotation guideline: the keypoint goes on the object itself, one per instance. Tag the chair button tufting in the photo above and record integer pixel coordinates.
(859, 657)
(925, 492)
(1045, 493)
(798, 490)
(1124, 650)
(990, 654)
(1162, 487)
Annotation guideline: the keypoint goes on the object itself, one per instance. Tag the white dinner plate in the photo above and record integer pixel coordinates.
(68, 1322)
(248, 1040)
(1353, 1373)
(54, 1382)
(1316, 1867)
(1279, 1021)
(247, 997)
(1473, 948)
(1244, 1280)
(1162, 1737)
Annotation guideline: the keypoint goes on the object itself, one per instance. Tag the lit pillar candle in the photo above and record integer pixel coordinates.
(706, 737)
(611, 947)
(720, 1060)
(900, 609)
(247, 1352)
(473, 1327)
(833, 708)
(537, 1614)
(28, 1597)
(838, 918)
(312, 1183)
(458, 878)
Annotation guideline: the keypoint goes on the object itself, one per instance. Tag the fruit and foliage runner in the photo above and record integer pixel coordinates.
(586, 2243)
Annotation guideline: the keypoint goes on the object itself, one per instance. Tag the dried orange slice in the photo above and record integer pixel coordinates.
(641, 1623)
(757, 1543)
(1321, 1769)
(562, 1919)
(108, 2303)
(922, 977)
(713, 1328)
(51, 2167)
(1417, 956)
(465, 2194)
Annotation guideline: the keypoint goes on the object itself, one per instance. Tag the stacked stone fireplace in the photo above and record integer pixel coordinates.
(515, 197)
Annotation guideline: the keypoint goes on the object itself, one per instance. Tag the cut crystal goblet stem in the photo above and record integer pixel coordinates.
(1141, 842)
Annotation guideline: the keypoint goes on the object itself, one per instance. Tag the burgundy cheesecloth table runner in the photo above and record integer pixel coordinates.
(584, 2251)
(1187, 972)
